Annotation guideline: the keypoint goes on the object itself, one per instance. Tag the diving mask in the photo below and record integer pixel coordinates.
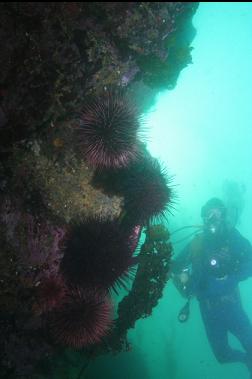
(214, 220)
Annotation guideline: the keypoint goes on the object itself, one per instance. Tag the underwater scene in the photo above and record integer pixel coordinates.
(125, 182)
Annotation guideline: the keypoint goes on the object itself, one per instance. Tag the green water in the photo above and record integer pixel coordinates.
(202, 132)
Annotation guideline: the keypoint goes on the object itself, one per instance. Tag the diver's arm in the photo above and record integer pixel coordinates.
(242, 259)
(182, 261)
(244, 270)
(181, 272)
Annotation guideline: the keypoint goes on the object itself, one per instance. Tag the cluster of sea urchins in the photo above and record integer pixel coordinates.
(99, 254)
(98, 257)
(108, 132)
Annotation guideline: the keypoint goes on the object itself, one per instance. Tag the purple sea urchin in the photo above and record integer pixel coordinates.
(145, 186)
(108, 131)
(82, 319)
(98, 254)
(146, 190)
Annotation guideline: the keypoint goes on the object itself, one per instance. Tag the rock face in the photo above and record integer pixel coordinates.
(55, 54)
(54, 58)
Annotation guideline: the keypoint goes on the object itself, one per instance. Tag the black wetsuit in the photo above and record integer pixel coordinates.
(216, 266)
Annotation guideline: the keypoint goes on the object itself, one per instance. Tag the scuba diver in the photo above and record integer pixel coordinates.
(210, 267)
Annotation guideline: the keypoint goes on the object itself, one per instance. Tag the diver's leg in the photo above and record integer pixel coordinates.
(241, 328)
(217, 333)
